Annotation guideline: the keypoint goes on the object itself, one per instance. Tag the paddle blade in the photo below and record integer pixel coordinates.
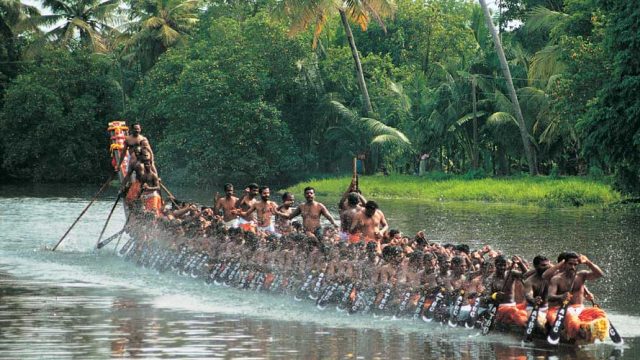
(614, 335)
(553, 339)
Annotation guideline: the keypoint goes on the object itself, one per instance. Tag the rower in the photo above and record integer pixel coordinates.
(502, 284)
(569, 284)
(151, 190)
(535, 289)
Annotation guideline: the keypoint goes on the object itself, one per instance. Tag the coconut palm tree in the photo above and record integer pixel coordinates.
(304, 13)
(364, 135)
(157, 25)
(88, 21)
(15, 18)
(524, 133)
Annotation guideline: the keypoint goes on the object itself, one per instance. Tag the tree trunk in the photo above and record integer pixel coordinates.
(368, 110)
(512, 90)
(475, 153)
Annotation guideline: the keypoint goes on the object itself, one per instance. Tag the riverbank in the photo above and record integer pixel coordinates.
(540, 190)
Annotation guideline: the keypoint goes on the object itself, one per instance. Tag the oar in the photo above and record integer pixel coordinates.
(613, 333)
(487, 325)
(554, 335)
(456, 309)
(95, 197)
(531, 323)
(533, 317)
(428, 316)
(106, 241)
(108, 218)
(171, 197)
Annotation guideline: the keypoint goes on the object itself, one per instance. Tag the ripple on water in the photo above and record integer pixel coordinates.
(85, 304)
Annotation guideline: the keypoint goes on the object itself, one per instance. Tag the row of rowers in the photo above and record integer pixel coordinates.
(405, 264)
(360, 220)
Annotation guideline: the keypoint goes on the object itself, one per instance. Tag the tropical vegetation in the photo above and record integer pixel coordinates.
(524, 190)
(278, 90)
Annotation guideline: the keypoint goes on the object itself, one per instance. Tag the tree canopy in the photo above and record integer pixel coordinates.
(248, 91)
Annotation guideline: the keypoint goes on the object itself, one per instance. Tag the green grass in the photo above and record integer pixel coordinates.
(540, 190)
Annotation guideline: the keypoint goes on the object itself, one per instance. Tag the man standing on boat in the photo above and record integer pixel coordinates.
(265, 210)
(311, 211)
(371, 223)
(569, 284)
(134, 143)
(247, 223)
(348, 215)
(227, 205)
(283, 224)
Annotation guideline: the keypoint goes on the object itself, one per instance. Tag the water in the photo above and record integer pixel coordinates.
(82, 303)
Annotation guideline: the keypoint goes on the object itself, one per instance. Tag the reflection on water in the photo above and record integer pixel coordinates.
(78, 303)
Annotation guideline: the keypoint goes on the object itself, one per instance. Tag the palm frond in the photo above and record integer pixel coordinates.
(501, 119)
(385, 139)
(377, 128)
(168, 35)
(546, 63)
(541, 18)
(502, 102)
(343, 111)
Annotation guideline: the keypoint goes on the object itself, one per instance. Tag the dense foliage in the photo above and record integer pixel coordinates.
(263, 90)
(53, 119)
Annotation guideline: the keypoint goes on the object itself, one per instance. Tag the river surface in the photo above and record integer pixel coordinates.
(83, 303)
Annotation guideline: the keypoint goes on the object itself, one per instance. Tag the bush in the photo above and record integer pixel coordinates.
(55, 116)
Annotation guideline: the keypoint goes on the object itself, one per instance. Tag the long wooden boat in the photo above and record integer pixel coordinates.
(154, 248)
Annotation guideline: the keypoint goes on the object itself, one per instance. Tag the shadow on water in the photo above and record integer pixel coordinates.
(79, 303)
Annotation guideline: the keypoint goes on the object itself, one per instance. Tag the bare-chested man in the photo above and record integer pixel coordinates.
(283, 224)
(502, 285)
(151, 190)
(535, 286)
(244, 203)
(227, 205)
(535, 289)
(569, 284)
(311, 211)
(347, 216)
(265, 210)
(456, 279)
(134, 143)
(371, 222)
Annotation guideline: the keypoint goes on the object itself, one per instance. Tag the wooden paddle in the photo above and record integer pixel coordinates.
(533, 317)
(613, 333)
(95, 197)
(554, 335)
(487, 325)
(108, 218)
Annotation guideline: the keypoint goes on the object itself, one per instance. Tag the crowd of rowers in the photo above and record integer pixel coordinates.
(360, 262)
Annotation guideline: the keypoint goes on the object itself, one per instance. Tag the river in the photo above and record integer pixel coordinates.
(83, 303)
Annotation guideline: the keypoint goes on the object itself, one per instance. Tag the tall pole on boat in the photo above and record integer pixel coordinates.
(355, 173)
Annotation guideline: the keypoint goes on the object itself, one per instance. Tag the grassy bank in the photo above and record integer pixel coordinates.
(541, 191)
